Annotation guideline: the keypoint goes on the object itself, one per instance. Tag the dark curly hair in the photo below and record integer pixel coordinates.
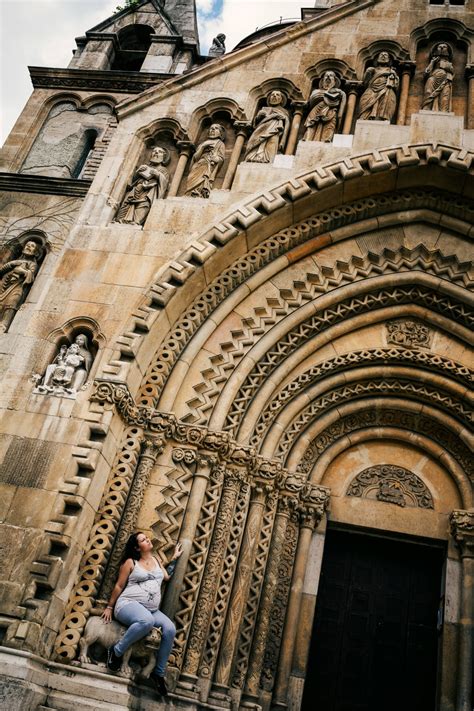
(131, 549)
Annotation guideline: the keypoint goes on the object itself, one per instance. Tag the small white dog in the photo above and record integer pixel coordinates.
(107, 634)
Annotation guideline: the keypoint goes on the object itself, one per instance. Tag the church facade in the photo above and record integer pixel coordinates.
(236, 312)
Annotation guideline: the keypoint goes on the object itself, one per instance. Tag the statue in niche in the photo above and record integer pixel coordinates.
(16, 278)
(68, 371)
(439, 79)
(206, 163)
(149, 182)
(379, 100)
(327, 105)
(272, 124)
(217, 48)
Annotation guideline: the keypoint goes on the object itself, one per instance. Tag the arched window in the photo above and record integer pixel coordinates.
(134, 42)
(88, 141)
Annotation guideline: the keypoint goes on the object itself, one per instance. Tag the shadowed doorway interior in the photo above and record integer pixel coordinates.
(374, 644)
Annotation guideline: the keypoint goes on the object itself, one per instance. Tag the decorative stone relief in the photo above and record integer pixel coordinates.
(272, 125)
(327, 105)
(206, 163)
(411, 334)
(16, 278)
(217, 48)
(379, 100)
(149, 182)
(439, 79)
(391, 484)
(68, 372)
(462, 530)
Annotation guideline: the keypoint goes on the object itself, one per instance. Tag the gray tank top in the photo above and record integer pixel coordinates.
(143, 586)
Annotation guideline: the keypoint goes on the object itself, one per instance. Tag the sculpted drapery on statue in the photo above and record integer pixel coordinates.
(16, 278)
(379, 100)
(272, 125)
(206, 163)
(439, 79)
(149, 182)
(69, 370)
(327, 105)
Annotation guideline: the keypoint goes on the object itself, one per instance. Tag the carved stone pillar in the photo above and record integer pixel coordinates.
(462, 530)
(245, 564)
(407, 69)
(470, 96)
(234, 477)
(188, 529)
(353, 89)
(151, 448)
(242, 131)
(314, 503)
(298, 107)
(185, 150)
(287, 504)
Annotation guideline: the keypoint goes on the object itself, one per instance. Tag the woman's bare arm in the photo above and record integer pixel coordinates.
(125, 570)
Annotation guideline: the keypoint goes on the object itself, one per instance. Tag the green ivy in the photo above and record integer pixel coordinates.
(128, 4)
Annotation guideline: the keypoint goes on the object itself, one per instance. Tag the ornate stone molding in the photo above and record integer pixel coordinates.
(314, 503)
(409, 333)
(462, 530)
(391, 484)
(120, 82)
(22, 183)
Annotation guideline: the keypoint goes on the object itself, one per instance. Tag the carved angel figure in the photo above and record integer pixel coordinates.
(217, 47)
(327, 106)
(17, 277)
(272, 124)
(206, 163)
(149, 182)
(69, 370)
(379, 100)
(439, 79)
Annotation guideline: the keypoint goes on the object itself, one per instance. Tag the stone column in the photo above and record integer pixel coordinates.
(298, 107)
(407, 69)
(314, 503)
(205, 463)
(245, 563)
(462, 530)
(353, 88)
(185, 150)
(242, 128)
(233, 479)
(287, 503)
(151, 448)
(470, 96)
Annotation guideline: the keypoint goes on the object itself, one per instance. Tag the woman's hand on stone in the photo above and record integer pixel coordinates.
(177, 551)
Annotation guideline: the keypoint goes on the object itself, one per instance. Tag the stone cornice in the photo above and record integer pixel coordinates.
(117, 82)
(22, 183)
(233, 59)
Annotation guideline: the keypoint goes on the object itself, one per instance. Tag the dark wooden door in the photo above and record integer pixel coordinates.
(374, 645)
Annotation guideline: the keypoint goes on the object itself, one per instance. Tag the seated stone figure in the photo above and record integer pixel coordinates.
(68, 371)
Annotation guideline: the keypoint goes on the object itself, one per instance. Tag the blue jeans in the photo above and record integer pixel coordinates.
(140, 622)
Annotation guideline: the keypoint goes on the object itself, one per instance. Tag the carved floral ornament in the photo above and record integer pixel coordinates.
(409, 333)
(462, 530)
(391, 484)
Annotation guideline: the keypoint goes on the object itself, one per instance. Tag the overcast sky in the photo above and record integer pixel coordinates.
(42, 32)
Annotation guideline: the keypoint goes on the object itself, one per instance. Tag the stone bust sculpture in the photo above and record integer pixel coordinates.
(439, 76)
(206, 163)
(68, 371)
(149, 182)
(16, 278)
(379, 100)
(272, 125)
(327, 106)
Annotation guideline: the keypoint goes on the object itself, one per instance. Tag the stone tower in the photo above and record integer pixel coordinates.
(235, 312)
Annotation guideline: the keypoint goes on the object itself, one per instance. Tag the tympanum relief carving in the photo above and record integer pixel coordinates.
(272, 125)
(410, 334)
(391, 484)
(69, 370)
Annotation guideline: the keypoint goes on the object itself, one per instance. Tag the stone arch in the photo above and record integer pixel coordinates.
(346, 72)
(368, 54)
(210, 109)
(257, 94)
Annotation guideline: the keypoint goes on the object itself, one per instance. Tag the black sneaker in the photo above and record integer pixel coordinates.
(159, 684)
(114, 662)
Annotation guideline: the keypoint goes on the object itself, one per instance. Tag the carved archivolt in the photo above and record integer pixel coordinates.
(391, 484)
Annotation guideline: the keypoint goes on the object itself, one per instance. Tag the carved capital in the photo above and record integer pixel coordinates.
(242, 127)
(314, 502)
(462, 530)
(267, 469)
(117, 393)
(152, 447)
(186, 148)
(407, 67)
(354, 87)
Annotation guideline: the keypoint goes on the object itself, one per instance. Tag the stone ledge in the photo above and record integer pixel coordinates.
(23, 183)
(94, 79)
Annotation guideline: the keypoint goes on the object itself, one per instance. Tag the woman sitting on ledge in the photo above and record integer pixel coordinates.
(136, 597)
